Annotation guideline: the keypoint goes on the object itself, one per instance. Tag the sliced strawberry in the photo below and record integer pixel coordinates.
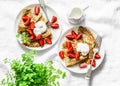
(36, 10)
(48, 40)
(94, 63)
(70, 36)
(32, 37)
(83, 65)
(74, 34)
(38, 37)
(77, 55)
(25, 18)
(61, 54)
(97, 56)
(79, 36)
(54, 19)
(69, 44)
(71, 55)
(27, 22)
(30, 31)
(70, 50)
(55, 25)
(41, 42)
(32, 25)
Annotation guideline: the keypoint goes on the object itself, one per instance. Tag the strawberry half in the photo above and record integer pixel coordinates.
(70, 37)
(70, 50)
(32, 25)
(55, 25)
(54, 19)
(77, 55)
(36, 10)
(71, 55)
(94, 63)
(30, 31)
(61, 54)
(27, 22)
(74, 34)
(79, 36)
(68, 44)
(48, 40)
(41, 42)
(25, 18)
(83, 65)
(39, 37)
(97, 56)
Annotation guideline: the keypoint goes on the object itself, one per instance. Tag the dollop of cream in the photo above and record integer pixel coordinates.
(83, 48)
(40, 27)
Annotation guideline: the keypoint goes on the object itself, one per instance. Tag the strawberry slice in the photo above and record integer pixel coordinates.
(70, 37)
(41, 42)
(74, 34)
(77, 55)
(30, 31)
(83, 65)
(94, 63)
(70, 50)
(55, 25)
(69, 44)
(54, 19)
(38, 37)
(71, 55)
(32, 37)
(32, 25)
(61, 54)
(24, 18)
(79, 36)
(48, 40)
(97, 56)
(27, 22)
(36, 10)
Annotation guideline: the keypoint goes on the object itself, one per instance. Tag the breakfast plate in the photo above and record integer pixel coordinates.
(48, 40)
(67, 59)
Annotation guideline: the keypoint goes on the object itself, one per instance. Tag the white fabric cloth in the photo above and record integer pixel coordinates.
(102, 15)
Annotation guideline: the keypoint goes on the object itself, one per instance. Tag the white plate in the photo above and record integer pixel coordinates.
(55, 32)
(76, 68)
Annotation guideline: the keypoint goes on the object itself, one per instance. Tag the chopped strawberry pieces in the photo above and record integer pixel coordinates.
(55, 25)
(48, 40)
(32, 25)
(79, 36)
(70, 50)
(97, 56)
(27, 22)
(74, 34)
(39, 37)
(25, 18)
(54, 19)
(30, 31)
(61, 54)
(71, 55)
(77, 55)
(69, 44)
(70, 36)
(36, 10)
(94, 63)
(41, 42)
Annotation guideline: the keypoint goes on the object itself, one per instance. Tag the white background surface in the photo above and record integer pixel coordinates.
(103, 16)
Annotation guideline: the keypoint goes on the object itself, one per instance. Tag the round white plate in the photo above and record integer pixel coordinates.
(55, 32)
(76, 68)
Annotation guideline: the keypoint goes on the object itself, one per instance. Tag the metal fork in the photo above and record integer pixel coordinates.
(96, 49)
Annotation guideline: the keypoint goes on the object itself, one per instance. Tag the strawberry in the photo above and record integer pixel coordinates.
(55, 25)
(94, 63)
(69, 44)
(74, 34)
(77, 55)
(83, 65)
(32, 37)
(61, 54)
(79, 36)
(71, 55)
(48, 40)
(54, 19)
(36, 10)
(27, 22)
(70, 50)
(25, 18)
(41, 42)
(97, 56)
(32, 25)
(30, 31)
(70, 36)
(38, 37)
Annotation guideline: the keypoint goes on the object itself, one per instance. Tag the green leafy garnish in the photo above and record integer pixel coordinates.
(23, 37)
(25, 72)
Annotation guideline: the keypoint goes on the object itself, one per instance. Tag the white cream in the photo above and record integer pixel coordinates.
(40, 27)
(83, 48)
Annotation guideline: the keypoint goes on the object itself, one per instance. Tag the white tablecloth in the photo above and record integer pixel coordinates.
(102, 15)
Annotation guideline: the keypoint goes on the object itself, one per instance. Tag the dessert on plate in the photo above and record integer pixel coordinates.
(78, 47)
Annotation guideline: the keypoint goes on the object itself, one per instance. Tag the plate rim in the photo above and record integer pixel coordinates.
(36, 48)
(93, 32)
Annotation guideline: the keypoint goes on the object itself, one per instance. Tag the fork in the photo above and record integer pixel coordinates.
(95, 50)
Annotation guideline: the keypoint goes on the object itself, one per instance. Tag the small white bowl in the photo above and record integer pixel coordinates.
(75, 16)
